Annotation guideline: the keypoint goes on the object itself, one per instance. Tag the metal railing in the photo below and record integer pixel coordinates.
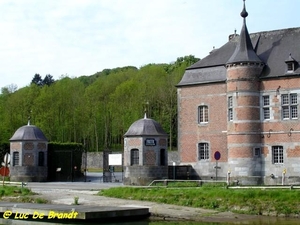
(12, 183)
(200, 182)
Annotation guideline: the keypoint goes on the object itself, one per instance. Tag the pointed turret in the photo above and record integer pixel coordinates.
(243, 71)
(244, 51)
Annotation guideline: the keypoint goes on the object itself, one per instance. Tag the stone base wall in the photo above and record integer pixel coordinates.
(248, 180)
(28, 173)
(143, 175)
(277, 180)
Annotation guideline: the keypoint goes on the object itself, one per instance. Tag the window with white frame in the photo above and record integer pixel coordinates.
(289, 104)
(266, 107)
(203, 114)
(290, 67)
(203, 151)
(230, 108)
(277, 154)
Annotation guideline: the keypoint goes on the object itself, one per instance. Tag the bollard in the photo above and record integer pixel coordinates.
(166, 182)
(228, 177)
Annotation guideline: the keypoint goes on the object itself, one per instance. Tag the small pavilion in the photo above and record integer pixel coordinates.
(28, 150)
(145, 152)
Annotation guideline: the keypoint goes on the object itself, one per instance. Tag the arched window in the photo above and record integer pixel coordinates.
(134, 157)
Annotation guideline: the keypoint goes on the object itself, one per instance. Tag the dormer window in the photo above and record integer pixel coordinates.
(291, 64)
(290, 67)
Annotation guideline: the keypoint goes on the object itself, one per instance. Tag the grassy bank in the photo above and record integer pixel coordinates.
(19, 194)
(248, 201)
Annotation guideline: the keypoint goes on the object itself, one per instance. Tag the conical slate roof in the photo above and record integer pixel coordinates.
(28, 133)
(145, 127)
(244, 51)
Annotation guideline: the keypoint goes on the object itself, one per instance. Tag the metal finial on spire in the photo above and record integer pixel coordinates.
(146, 109)
(244, 51)
(244, 13)
(28, 124)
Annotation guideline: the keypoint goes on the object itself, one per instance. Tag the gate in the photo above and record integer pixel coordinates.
(184, 172)
(106, 170)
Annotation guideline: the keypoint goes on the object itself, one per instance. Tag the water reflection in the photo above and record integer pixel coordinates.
(260, 221)
(68, 222)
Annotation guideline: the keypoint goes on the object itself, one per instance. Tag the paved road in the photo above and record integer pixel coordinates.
(98, 177)
(93, 181)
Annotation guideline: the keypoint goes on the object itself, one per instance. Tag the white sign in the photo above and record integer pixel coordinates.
(115, 159)
(7, 158)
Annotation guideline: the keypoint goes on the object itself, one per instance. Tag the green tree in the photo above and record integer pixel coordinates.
(96, 110)
(37, 79)
(48, 80)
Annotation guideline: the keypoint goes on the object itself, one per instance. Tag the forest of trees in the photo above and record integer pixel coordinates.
(95, 110)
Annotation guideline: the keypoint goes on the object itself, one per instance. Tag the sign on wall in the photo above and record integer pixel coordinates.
(115, 159)
(150, 142)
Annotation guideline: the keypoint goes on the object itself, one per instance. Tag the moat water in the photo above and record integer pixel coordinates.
(259, 221)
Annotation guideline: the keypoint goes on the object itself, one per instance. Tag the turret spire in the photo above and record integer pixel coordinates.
(244, 51)
(244, 13)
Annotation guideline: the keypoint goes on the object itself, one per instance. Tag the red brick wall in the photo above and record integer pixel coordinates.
(243, 85)
(293, 152)
(190, 132)
(237, 139)
(134, 141)
(278, 131)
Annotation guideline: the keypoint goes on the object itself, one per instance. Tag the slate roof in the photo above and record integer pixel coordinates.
(272, 47)
(145, 127)
(28, 133)
(244, 51)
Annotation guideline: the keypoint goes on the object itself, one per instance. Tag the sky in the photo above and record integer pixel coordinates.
(81, 37)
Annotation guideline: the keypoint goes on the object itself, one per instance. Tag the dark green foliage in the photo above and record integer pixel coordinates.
(37, 80)
(48, 80)
(4, 148)
(96, 110)
(76, 147)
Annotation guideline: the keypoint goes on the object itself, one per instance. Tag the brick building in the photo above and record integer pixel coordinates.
(29, 151)
(242, 100)
(145, 152)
